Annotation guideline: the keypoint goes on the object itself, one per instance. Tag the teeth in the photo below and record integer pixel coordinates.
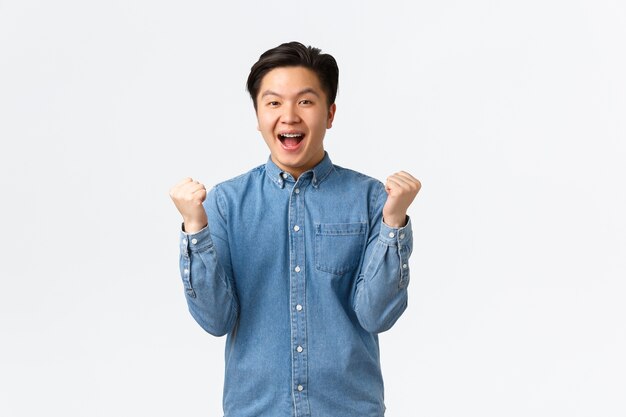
(291, 135)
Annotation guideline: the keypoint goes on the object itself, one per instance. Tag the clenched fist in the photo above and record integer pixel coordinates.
(188, 196)
(401, 189)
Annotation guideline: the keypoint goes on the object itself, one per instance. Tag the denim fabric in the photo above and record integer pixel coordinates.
(302, 276)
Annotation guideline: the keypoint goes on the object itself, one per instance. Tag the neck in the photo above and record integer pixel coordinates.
(295, 172)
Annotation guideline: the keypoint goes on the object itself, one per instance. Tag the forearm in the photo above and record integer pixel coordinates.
(381, 291)
(208, 289)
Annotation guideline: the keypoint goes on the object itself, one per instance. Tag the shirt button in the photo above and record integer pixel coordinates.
(285, 175)
(401, 235)
(194, 241)
(299, 307)
(299, 349)
(297, 269)
(186, 271)
(297, 191)
(391, 234)
(296, 228)
(405, 266)
(300, 387)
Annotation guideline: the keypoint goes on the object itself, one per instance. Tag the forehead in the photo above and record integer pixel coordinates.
(290, 80)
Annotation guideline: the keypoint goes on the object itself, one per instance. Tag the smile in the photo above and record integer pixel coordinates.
(291, 141)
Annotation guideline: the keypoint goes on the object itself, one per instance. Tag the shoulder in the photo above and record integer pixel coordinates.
(241, 181)
(355, 179)
(230, 191)
(349, 185)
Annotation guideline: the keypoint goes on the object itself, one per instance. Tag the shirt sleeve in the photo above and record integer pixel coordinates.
(381, 288)
(206, 272)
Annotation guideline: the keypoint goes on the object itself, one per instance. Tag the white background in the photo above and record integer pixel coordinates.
(512, 114)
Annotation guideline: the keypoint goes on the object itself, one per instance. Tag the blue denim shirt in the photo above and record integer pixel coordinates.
(302, 276)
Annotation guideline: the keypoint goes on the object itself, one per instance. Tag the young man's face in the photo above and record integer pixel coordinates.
(293, 116)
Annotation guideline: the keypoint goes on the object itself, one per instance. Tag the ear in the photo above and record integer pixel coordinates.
(331, 115)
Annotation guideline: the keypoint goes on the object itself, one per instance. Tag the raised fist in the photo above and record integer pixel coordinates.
(188, 196)
(401, 189)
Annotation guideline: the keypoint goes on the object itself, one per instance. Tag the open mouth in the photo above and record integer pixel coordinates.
(291, 140)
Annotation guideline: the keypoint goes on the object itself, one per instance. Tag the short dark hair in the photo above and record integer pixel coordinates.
(295, 54)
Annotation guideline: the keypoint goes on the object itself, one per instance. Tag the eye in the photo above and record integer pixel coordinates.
(273, 103)
(306, 102)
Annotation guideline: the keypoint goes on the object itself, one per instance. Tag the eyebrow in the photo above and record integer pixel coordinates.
(301, 92)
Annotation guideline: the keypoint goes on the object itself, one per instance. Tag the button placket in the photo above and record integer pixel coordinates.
(297, 284)
(184, 246)
(404, 264)
(186, 268)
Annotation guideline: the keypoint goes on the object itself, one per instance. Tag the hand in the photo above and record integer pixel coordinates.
(188, 196)
(401, 189)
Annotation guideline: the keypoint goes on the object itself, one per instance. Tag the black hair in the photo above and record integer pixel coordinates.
(295, 54)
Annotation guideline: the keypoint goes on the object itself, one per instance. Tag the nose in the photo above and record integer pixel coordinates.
(290, 114)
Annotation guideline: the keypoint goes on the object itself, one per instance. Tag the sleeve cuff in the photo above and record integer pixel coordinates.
(194, 241)
(182, 229)
(396, 235)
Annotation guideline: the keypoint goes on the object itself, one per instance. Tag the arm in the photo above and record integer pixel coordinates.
(381, 288)
(205, 260)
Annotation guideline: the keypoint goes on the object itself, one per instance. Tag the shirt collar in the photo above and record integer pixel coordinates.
(320, 171)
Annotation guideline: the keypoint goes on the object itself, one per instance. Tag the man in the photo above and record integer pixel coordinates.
(301, 262)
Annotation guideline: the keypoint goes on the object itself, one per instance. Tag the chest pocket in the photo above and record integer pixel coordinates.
(338, 246)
